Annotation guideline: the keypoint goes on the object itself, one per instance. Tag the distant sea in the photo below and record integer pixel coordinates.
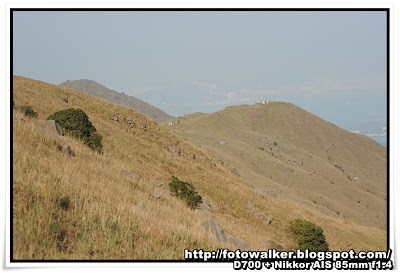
(380, 139)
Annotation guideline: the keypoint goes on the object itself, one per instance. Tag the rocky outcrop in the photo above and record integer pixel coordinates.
(235, 172)
(265, 193)
(237, 243)
(52, 129)
(261, 215)
(132, 175)
(212, 226)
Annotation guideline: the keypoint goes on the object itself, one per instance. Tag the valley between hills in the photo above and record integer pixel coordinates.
(257, 168)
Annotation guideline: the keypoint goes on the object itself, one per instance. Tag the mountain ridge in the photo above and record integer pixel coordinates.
(96, 89)
(339, 172)
(114, 205)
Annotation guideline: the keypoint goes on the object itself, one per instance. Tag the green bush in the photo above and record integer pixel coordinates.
(186, 191)
(28, 111)
(94, 142)
(309, 236)
(76, 123)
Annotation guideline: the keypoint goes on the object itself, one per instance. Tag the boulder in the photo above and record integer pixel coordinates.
(205, 205)
(265, 193)
(141, 206)
(53, 127)
(175, 149)
(66, 149)
(213, 228)
(281, 245)
(64, 98)
(212, 162)
(235, 172)
(158, 183)
(237, 243)
(193, 156)
(266, 244)
(115, 118)
(250, 205)
(130, 174)
(263, 217)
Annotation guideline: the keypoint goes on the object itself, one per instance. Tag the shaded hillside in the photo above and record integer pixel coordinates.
(281, 148)
(93, 88)
(116, 205)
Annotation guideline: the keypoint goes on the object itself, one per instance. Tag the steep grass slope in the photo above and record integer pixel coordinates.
(280, 147)
(95, 206)
(93, 88)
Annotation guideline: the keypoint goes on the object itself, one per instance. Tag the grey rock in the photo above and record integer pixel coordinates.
(281, 245)
(248, 226)
(235, 172)
(53, 127)
(193, 156)
(222, 142)
(205, 205)
(220, 161)
(213, 228)
(64, 98)
(236, 242)
(263, 217)
(250, 205)
(158, 183)
(66, 149)
(130, 174)
(130, 123)
(175, 149)
(144, 127)
(165, 189)
(115, 118)
(156, 195)
(266, 244)
(141, 206)
(212, 162)
(265, 192)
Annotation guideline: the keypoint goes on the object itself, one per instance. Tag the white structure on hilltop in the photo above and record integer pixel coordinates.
(265, 101)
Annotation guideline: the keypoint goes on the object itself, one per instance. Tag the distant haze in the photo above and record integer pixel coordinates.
(330, 63)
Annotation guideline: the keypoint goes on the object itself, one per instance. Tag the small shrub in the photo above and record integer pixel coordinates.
(275, 143)
(261, 148)
(186, 191)
(64, 203)
(28, 111)
(94, 142)
(76, 123)
(309, 236)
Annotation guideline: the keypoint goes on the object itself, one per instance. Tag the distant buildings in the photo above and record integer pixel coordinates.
(264, 101)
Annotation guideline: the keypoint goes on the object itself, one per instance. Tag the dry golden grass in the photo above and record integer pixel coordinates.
(86, 207)
(342, 174)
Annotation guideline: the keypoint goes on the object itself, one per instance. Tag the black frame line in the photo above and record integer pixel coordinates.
(12, 10)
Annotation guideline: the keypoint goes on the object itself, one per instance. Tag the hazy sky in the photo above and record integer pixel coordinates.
(331, 63)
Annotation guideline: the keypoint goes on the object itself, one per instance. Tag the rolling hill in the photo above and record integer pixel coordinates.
(93, 88)
(284, 150)
(115, 205)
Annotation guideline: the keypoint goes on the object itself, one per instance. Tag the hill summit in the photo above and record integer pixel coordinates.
(284, 150)
(93, 88)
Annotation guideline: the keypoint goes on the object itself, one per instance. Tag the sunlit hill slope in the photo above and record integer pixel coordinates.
(282, 148)
(112, 206)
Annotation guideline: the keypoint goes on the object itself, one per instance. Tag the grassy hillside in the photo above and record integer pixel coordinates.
(95, 206)
(282, 148)
(96, 89)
